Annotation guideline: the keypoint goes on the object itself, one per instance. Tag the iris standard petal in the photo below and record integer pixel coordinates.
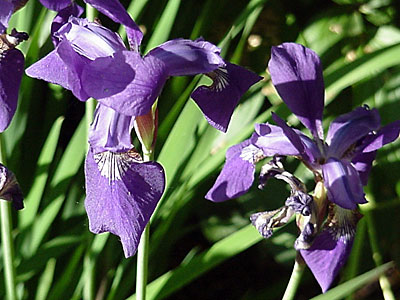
(218, 101)
(110, 131)
(296, 73)
(348, 129)
(342, 183)
(121, 195)
(385, 135)
(6, 9)
(237, 175)
(126, 82)
(11, 70)
(186, 57)
(116, 12)
(89, 39)
(326, 257)
(62, 18)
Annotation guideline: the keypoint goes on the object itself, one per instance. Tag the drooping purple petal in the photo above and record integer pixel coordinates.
(296, 73)
(126, 82)
(110, 131)
(11, 70)
(349, 128)
(56, 5)
(332, 246)
(121, 195)
(218, 101)
(362, 162)
(9, 188)
(342, 183)
(385, 135)
(237, 175)
(186, 57)
(116, 12)
(62, 17)
(89, 39)
(326, 257)
(6, 9)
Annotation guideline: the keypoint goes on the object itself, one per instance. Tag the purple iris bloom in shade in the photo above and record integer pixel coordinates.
(92, 61)
(340, 163)
(122, 191)
(9, 188)
(11, 63)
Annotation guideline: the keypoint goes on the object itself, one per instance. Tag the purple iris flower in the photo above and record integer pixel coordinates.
(340, 163)
(11, 64)
(122, 191)
(92, 61)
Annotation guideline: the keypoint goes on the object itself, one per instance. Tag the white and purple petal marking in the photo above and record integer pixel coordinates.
(121, 195)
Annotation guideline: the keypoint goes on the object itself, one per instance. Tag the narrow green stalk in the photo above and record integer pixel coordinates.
(7, 243)
(91, 12)
(294, 281)
(377, 257)
(8, 249)
(143, 252)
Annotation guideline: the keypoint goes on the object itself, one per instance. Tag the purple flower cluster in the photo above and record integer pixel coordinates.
(340, 163)
(90, 60)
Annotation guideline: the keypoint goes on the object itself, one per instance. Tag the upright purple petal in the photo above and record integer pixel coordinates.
(89, 39)
(186, 57)
(116, 12)
(332, 246)
(56, 5)
(11, 70)
(296, 73)
(385, 135)
(237, 175)
(6, 9)
(343, 183)
(126, 82)
(121, 195)
(110, 131)
(218, 101)
(348, 129)
(62, 17)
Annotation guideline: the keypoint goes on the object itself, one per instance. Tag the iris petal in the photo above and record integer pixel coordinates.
(296, 73)
(385, 135)
(6, 9)
(110, 131)
(11, 70)
(343, 183)
(219, 100)
(121, 195)
(237, 175)
(126, 82)
(56, 5)
(62, 18)
(349, 128)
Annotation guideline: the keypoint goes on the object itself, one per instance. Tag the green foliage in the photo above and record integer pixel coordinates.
(195, 244)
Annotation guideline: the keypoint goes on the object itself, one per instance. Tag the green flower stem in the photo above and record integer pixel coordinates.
(294, 281)
(377, 256)
(91, 12)
(143, 252)
(7, 243)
